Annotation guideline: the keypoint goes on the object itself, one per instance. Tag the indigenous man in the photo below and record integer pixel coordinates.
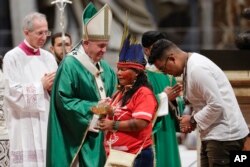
(82, 79)
(216, 111)
(29, 72)
(166, 145)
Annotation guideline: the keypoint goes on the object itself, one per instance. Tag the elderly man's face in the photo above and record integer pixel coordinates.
(96, 49)
(38, 35)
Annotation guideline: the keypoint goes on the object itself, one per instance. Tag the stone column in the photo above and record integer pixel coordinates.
(207, 23)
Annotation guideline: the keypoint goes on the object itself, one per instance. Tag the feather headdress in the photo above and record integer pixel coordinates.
(131, 52)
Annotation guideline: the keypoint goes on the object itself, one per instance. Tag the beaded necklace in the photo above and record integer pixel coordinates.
(185, 81)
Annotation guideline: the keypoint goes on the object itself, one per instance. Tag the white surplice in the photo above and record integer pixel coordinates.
(27, 105)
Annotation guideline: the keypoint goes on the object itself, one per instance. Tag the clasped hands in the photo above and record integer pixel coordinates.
(173, 92)
(47, 80)
(185, 125)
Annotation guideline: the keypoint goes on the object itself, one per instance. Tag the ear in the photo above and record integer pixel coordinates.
(25, 32)
(147, 52)
(171, 58)
(85, 45)
(51, 49)
(85, 42)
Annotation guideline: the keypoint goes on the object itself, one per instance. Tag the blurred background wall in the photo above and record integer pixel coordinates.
(193, 24)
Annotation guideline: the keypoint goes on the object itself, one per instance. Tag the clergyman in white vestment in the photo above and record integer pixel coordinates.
(29, 72)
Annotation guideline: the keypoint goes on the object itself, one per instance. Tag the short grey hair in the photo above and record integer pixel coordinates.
(28, 20)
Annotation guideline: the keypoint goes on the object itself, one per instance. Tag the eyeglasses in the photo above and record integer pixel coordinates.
(41, 33)
(163, 67)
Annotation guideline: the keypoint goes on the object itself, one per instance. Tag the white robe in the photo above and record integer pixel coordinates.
(27, 106)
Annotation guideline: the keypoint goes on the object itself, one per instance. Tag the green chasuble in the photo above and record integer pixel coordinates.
(74, 93)
(165, 141)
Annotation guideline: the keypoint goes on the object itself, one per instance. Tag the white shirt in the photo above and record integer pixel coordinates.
(216, 109)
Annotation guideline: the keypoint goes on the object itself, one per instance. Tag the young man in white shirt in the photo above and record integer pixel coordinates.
(216, 111)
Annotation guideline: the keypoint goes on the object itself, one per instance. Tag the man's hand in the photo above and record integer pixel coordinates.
(173, 92)
(47, 80)
(185, 125)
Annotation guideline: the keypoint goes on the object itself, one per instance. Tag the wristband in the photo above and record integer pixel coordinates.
(192, 120)
(116, 125)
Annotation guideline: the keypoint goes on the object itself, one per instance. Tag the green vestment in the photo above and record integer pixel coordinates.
(74, 94)
(165, 141)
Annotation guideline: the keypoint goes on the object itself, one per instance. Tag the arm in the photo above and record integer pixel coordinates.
(74, 102)
(126, 126)
(143, 114)
(24, 91)
(206, 87)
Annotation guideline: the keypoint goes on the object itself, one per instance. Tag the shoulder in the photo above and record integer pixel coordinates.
(46, 53)
(144, 95)
(198, 59)
(47, 56)
(144, 91)
(72, 65)
(69, 59)
(69, 62)
(198, 62)
(12, 54)
(13, 51)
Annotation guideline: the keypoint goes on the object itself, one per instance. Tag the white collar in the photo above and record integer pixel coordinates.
(27, 43)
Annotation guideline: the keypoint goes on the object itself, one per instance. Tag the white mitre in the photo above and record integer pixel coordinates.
(96, 24)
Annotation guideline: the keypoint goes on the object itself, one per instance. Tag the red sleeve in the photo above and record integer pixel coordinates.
(144, 104)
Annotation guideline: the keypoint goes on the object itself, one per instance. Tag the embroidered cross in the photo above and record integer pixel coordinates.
(74, 53)
(101, 89)
(98, 73)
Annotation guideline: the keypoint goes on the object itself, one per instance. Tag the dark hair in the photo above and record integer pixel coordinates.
(141, 80)
(56, 35)
(150, 37)
(158, 49)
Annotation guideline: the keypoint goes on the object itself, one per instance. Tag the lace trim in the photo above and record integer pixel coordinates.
(31, 95)
(26, 156)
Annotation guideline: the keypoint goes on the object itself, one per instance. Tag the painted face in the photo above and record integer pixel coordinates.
(96, 49)
(38, 36)
(57, 49)
(126, 76)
